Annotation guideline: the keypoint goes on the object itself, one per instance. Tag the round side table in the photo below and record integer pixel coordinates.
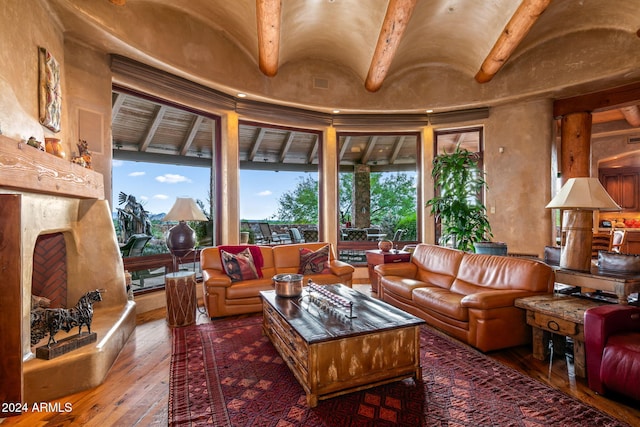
(180, 289)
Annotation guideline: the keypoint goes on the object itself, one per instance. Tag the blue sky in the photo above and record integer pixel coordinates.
(156, 186)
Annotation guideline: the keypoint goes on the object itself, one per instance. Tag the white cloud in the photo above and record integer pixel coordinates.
(265, 193)
(137, 173)
(171, 178)
(161, 196)
(116, 163)
(144, 198)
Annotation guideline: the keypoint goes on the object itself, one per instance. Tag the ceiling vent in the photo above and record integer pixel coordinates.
(320, 83)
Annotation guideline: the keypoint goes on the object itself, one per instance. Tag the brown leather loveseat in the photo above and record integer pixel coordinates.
(224, 297)
(468, 296)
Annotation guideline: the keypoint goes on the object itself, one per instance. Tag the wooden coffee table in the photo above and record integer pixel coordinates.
(331, 354)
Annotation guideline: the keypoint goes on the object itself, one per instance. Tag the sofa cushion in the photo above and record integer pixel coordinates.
(479, 271)
(239, 266)
(314, 262)
(437, 265)
(441, 301)
(401, 286)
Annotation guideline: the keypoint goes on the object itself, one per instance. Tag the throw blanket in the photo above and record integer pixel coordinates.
(255, 253)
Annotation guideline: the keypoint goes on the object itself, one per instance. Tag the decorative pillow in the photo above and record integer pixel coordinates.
(239, 266)
(314, 262)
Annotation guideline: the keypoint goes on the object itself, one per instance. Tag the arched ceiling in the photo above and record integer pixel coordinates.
(441, 47)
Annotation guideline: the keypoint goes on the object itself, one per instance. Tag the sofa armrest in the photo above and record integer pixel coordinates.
(403, 269)
(494, 298)
(213, 277)
(599, 324)
(340, 268)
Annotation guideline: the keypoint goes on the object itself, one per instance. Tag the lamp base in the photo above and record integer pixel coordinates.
(181, 239)
(576, 249)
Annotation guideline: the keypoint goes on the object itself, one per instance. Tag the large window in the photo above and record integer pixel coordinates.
(446, 141)
(279, 200)
(377, 192)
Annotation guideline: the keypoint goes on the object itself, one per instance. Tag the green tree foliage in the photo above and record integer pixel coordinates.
(300, 205)
(393, 201)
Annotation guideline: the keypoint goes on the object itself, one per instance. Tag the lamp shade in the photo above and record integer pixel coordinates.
(185, 209)
(181, 238)
(584, 194)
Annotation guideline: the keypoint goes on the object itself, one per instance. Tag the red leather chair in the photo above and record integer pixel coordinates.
(612, 349)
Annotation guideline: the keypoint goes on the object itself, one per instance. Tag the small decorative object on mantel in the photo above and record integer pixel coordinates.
(32, 141)
(84, 155)
(53, 146)
(51, 320)
(385, 245)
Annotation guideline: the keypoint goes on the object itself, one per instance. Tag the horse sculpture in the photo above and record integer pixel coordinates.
(51, 320)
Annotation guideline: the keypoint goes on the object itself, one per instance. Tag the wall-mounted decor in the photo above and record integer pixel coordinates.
(49, 90)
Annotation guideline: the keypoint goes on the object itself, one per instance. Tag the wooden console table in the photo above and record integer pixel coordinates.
(621, 285)
(375, 257)
(557, 314)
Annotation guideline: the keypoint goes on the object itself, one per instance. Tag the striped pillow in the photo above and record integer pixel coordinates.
(314, 262)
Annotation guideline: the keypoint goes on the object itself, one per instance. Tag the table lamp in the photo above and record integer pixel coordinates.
(579, 197)
(181, 238)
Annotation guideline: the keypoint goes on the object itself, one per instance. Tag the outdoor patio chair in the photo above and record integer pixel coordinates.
(356, 234)
(295, 235)
(135, 245)
(398, 235)
(310, 235)
(268, 235)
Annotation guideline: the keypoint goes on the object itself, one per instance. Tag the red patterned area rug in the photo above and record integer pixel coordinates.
(227, 373)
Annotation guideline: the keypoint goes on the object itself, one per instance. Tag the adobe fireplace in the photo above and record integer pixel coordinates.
(41, 195)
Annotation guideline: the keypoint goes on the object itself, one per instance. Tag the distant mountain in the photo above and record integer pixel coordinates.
(157, 217)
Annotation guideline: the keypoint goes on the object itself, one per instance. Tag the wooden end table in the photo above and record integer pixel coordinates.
(375, 257)
(622, 285)
(557, 314)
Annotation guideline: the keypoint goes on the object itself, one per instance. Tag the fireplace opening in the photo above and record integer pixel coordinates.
(49, 278)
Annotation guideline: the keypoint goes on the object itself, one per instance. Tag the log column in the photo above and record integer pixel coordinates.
(575, 153)
(575, 150)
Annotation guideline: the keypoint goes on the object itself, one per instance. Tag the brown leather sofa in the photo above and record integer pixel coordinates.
(222, 297)
(468, 296)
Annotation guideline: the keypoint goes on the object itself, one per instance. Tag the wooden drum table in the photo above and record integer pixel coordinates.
(180, 289)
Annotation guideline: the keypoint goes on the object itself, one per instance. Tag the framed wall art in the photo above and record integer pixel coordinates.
(50, 93)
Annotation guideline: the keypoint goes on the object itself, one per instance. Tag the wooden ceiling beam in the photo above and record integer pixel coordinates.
(193, 130)
(286, 146)
(631, 115)
(617, 97)
(260, 132)
(268, 13)
(395, 23)
(397, 146)
(368, 151)
(343, 149)
(116, 105)
(314, 150)
(517, 28)
(151, 131)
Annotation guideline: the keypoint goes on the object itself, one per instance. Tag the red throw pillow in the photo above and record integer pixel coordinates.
(239, 266)
(314, 262)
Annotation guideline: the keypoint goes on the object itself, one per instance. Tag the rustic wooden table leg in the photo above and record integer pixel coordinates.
(540, 340)
(579, 359)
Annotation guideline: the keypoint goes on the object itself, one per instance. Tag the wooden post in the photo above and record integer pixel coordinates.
(574, 160)
(11, 385)
(575, 145)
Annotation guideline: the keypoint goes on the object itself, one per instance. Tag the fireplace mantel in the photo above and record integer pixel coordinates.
(25, 168)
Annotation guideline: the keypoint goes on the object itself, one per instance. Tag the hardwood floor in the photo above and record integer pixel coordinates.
(135, 392)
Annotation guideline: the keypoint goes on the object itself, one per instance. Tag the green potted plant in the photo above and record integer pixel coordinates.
(456, 204)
